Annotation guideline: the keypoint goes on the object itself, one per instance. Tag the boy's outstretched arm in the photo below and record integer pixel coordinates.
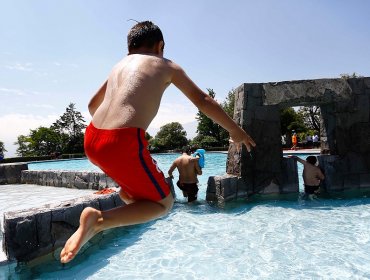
(97, 99)
(210, 107)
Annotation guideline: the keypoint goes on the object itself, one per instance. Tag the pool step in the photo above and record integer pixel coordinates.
(35, 232)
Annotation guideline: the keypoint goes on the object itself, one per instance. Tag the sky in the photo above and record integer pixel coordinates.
(53, 53)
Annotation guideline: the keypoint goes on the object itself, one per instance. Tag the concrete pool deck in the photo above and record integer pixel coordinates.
(301, 151)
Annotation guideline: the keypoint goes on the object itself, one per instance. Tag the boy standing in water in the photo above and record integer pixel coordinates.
(189, 169)
(312, 175)
(122, 110)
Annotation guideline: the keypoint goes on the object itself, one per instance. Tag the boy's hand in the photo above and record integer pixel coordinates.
(241, 137)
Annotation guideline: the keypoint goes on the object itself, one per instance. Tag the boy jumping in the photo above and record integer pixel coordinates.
(121, 111)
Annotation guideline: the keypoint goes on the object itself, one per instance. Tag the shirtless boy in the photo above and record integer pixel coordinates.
(312, 175)
(122, 110)
(189, 169)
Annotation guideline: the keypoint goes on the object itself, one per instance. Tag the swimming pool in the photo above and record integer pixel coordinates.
(299, 239)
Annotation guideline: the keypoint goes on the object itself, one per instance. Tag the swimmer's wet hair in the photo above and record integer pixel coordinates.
(187, 149)
(143, 34)
(311, 159)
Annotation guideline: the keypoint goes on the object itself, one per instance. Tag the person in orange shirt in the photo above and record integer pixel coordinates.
(294, 141)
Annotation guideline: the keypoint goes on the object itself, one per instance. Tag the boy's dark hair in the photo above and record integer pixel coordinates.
(187, 149)
(311, 159)
(143, 34)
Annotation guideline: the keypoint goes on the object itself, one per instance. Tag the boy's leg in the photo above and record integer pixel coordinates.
(93, 221)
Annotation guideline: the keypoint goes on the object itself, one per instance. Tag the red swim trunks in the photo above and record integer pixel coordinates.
(122, 154)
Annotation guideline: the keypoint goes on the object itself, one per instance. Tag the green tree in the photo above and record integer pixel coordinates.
(70, 126)
(290, 120)
(228, 106)
(204, 141)
(170, 136)
(24, 146)
(2, 149)
(229, 103)
(207, 127)
(311, 117)
(44, 141)
(349, 76)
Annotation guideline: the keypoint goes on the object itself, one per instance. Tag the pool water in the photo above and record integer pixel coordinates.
(299, 239)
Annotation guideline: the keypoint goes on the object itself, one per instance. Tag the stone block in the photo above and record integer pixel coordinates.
(106, 202)
(43, 223)
(240, 100)
(289, 182)
(362, 108)
(356, 163)
(351, 182)
(23, 237)
(2, 175)
(365, 180)
(306, 91)
(357, 85)
(367, 82)
(271, 188)
(243, 188)
(11, 173)
(80, 181)
(254, 90)
(35, 232)
(360, 135)
(268, 114)
(233, 160)
(211, 184)
(229, 185)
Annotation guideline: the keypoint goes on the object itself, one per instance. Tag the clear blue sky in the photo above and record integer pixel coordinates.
(56, 52)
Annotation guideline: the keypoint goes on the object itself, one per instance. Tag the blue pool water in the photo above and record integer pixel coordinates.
(298, 239)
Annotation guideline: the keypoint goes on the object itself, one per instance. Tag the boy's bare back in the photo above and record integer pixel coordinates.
(134, 91)
(188, 168)
(312, 174)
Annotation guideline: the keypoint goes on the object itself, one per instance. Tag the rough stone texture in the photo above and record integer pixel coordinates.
(74, 179)
(10, 173)
(348, 173)
(36, 232)
(306, 91)
(68, 179)
(345, 134)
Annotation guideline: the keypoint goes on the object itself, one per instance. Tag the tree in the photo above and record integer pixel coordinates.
(207, 127)
(228, 106)
(290, 120)
(311, 117)
(2, 149)
(348, 76)
(24, 146)
(70, 125)
(229, 103)
(204, 141)
(44, 141)
(170, 136)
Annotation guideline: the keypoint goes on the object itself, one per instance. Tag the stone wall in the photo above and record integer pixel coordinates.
(68, 179)
(35, 232)
(345, 131)
(10, 173)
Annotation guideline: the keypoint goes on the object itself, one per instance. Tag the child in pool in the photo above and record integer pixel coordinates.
(312, 175)
(122, 110)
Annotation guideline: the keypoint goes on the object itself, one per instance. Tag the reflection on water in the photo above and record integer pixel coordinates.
(298, 239)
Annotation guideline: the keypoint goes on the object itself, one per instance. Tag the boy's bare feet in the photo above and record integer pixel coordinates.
(89, 222)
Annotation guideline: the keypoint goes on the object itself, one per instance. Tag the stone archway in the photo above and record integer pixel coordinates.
(345, 135)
